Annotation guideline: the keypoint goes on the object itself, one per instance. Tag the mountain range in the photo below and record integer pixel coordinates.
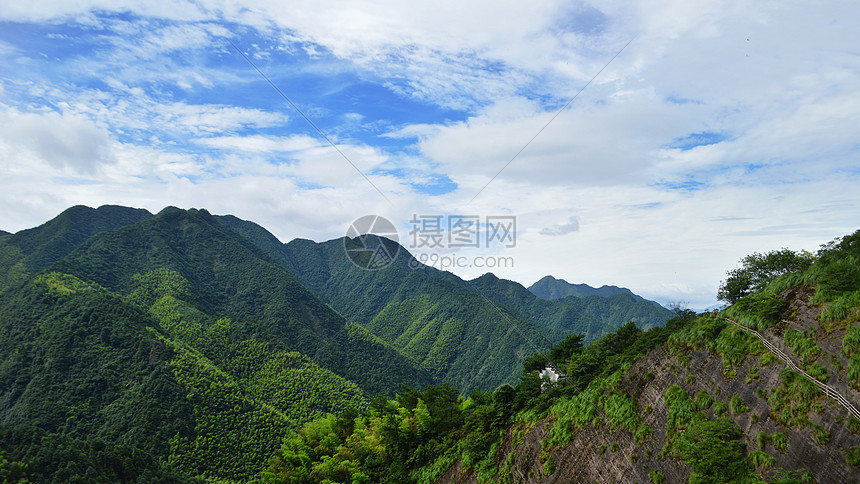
(200, 341)
(189, 347)
(467, 333)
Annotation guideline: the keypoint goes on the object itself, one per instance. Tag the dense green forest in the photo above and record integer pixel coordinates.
(211, 397)
(29, 454)
(461, 337)
(174, 336)
(471, 334)
(420, 435)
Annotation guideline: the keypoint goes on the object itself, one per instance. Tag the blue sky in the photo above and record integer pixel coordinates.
(722, 129)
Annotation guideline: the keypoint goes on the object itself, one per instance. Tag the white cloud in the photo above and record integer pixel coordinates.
(572, 225)
(127, 109)
(427, 51)
(592, 144)
(215, 119)
(665, 245)
(261, 143)
(62, 141)
(130, 119)
(54, 10)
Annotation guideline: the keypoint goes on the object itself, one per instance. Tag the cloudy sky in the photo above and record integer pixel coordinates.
(723, 128)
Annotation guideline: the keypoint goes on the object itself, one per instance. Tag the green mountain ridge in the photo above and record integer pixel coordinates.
(462, 337)
(183, 345)
(231, 277)
(177, 336)
(432, 316)
(29, 251)
(54, 239)
(528, 324)
(376, 299)
(707, 398)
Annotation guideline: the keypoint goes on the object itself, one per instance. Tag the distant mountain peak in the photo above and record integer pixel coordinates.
(488, 276)
(56, 238)
(169, 208)
(549, 288)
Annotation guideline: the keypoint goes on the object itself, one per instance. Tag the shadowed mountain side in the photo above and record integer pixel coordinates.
(431, 315)
(420, 311)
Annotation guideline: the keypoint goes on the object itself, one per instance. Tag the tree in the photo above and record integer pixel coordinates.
(758, 270)
(715, 451)
(561, 352)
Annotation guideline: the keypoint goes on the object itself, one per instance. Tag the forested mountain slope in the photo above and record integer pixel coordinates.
(385, 300)
(423, 311)
(148, 371)
(699, 400)
(460, 336)
(177, 340)
(229, 276)
(431, 316)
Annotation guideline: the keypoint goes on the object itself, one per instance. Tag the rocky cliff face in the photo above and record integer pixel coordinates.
(780, 414)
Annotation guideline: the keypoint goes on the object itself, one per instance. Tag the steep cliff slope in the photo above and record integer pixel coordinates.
(766, 391)
(784, 426)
